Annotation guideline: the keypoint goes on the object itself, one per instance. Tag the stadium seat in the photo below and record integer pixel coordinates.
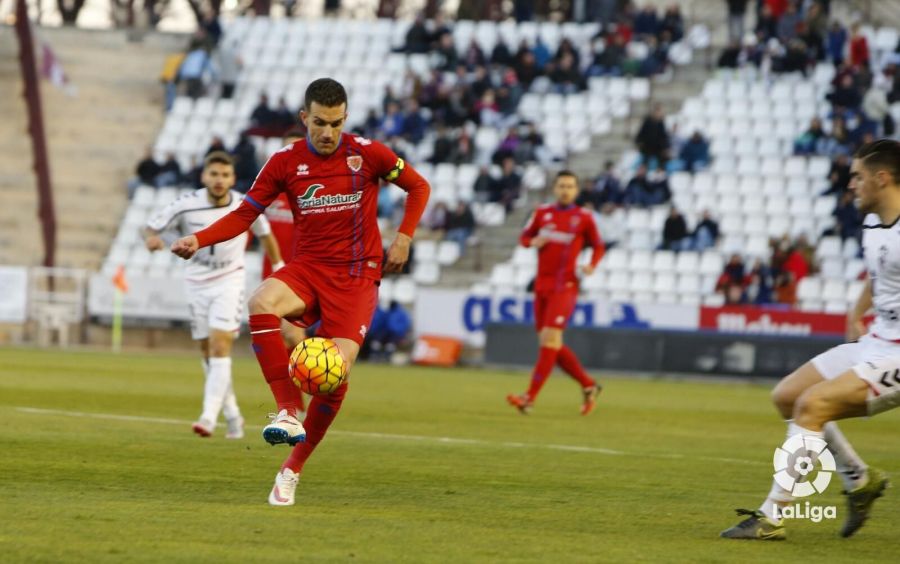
(425, 251)
(832, 267)
(619, 281)
(502, 276)
(854, 289)
(834, 290)
(829, 247)
(663, 261)
(448, 253)
(854, 269)
(640, 261)
(404, 291)
(711, 264)
(688, 284)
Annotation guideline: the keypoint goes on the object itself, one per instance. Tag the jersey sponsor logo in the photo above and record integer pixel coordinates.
(328, 202)
(551, 234)
(302, 169)
(355, 163)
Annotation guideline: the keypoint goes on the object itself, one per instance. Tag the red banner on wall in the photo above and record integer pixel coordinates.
(753, 320)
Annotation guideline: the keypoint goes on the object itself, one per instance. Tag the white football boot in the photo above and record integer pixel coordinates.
(285, 428)
(203, 427)
(285, 485)
(235, 428)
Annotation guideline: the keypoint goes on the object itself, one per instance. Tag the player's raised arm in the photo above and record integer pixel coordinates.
(418, 191)
(265, 189)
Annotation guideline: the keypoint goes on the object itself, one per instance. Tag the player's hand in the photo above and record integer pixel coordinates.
(154, 243)
(855, 329)
(588, 269)
(186, 246)
(398, 253)
(538, 242)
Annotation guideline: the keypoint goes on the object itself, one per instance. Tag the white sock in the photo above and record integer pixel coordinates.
(230, 408)
(218, 378)
(850, 466)
(778, 496)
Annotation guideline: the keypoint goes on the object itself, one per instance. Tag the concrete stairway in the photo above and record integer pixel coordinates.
(94, 140)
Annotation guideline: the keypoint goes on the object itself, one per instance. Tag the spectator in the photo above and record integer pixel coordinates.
(169, 172)
(417, 38)
(284, 118)
(836, 41)
(817, 21)
(876, 111)
(736, 10)
(565, 77)
(653, 139)
(228, 62)
(245, 166)
(436, 218)
(695, 153)
(847, 215)
(501, 55)
(192, 178)
(607, 188)
(637, 192)
(730, 56)
(443, 147)
(195, 68)
(838, 143)
(796, 263)
(391, 331)
(859, 47)
(169, 77)
(474, 56)
(760, 283)
(845, 96)
(787, 24)
(263, 116)
(767, 24)
(610, 60)
(795, 59)
(212, 29)
(807, 143)
(838, 176)
(508, 187)
(460, 225)
(646, 23)
(526, 68)
(732, 282)
(706, 234)
(675, 232)
(146, 171)
(672, 23)
(446, 53)
(658, 185)
(216, 144)
(488, 111)
(414, 124)
(392, 122)
(609, 224)
(484, 186)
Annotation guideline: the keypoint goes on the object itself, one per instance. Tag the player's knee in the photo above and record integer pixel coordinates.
(260, 303)
(783, 398)
(811, 405)
(551, 338)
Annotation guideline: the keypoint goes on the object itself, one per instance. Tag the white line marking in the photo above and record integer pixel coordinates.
(398, 437)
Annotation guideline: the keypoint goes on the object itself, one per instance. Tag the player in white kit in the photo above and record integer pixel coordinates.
(856, 379)
(214, 283)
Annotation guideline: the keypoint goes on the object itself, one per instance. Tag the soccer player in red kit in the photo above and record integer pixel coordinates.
(559, 232)
(331, 179)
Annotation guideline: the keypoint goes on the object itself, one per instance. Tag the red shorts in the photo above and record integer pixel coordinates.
(554, 308)
(345, 304)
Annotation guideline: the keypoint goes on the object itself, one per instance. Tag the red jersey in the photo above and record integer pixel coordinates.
(333, 199)
(281, 218)
(567, 230)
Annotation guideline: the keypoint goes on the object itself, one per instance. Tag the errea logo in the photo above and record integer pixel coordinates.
(302, 169)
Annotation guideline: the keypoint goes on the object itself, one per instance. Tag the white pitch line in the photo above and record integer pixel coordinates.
(399, 437)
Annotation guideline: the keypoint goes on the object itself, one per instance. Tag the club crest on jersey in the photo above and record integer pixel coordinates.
(302, 169)
(548, 216)
(355, 163)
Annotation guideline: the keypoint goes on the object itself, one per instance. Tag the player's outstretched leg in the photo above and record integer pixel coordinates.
(757, 526)
(322, 411)
(590, 389)
(542, 368)
(265, 330)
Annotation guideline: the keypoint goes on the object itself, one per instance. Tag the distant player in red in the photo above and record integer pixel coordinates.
(559, 232)
(331, 179)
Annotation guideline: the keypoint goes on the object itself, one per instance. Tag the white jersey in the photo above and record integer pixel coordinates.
(193, 212)
(881, 249)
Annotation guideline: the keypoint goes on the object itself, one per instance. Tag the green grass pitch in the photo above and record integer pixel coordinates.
(423, 465)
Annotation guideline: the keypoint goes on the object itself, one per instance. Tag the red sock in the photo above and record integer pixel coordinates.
(265, 333)
(568, 361)
(542, 368)
(299, 397)
(322, 411)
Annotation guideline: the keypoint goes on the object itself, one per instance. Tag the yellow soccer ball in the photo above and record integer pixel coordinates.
(317, 366)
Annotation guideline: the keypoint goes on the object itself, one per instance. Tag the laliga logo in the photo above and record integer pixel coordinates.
(794, 462)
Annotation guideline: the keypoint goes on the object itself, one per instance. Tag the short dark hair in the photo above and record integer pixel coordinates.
(883, 154)
(565, 172)
(326, 92)
(218, 157)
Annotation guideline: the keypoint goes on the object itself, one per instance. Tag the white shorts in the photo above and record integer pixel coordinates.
(875, 361)
(218, 304)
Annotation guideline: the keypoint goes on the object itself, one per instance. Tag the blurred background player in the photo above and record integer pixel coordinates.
(332, 180)
(281, 218)
(559, 232)
(859, 378)
(214, 282)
